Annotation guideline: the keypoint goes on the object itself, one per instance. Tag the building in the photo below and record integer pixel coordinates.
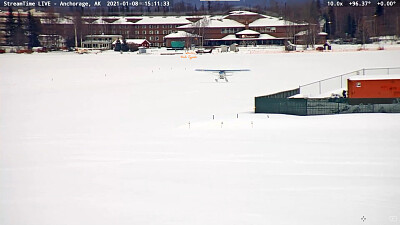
(52, 41)
(153, 29)
(374, 87)
(182, 36)
(134, 44)
(246, 28)
(238, 27)
(101, 41)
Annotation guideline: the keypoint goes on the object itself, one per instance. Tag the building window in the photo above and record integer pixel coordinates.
(144, 32)
(270, 29)
(144, 26)
(164, 32)
(170, 26)
(157, 32)
(136, 32)
(151, 32)
(157, 38)
(151, 38)
(150, 26)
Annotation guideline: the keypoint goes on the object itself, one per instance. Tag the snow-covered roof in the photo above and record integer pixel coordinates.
(61, 20)
(181, 34)
(163, 20)
(136, 41)
(214, 22)
(250, 32)
(271, 21)
(142, 20)
(104, 35)
(232, 37)
(239, 12)
(301, 33)
(375, 77)
(133, 41)
(267, 36)
(229, 37)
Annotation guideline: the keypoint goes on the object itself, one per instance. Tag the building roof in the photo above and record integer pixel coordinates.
(181, 34)
(214, 22)
(133, 41)
(271, 21)
(268, 37)
(375, 77)
(250, 32)
(104, 35)
(142, 20)
(163, 20)
(243, 13)
(59, 20)
(136, 41)
(232, 37)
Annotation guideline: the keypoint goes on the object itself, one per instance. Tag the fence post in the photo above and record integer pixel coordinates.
(363, 71)
(341, 81)
(319, 87)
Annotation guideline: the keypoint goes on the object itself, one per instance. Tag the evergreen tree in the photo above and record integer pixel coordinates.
(314, 12)
(10, 27)
(117, 47)
(33, 32)
(19, 38)
(379, 10)
(332, 24)
(351, 26)
(124, 46)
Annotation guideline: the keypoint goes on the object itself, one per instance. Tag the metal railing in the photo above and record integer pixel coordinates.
(317, 88)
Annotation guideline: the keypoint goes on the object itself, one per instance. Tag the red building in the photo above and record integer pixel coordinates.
(374, 87)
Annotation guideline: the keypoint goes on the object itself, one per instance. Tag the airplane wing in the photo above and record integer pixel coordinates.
(217, 71)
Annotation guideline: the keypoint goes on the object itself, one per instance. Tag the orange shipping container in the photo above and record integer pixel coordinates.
(374, 87)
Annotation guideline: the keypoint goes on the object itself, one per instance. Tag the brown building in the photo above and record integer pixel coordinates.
(243, 27)
(240, 27)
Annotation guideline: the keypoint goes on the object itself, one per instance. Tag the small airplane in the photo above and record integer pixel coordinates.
(222, 74)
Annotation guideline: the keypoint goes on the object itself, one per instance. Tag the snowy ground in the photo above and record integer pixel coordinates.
(105, 139)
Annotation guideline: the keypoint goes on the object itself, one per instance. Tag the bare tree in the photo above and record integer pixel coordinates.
(201, 26)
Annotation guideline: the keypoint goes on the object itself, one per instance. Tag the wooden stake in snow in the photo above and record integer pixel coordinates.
(222, 123)
(213, 117)
(251, 124)
(189, 124)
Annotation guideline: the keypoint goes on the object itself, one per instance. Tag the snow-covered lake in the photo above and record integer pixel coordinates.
(122, 139)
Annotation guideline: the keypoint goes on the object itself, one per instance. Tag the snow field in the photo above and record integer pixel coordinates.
(104, 139)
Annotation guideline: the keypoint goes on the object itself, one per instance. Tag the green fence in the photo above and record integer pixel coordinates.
(303, 107)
